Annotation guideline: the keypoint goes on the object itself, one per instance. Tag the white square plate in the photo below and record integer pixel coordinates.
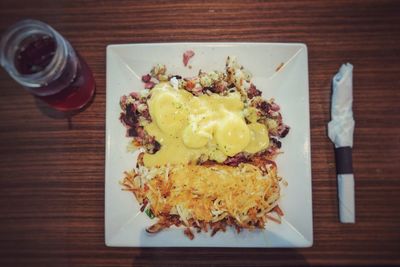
(125, 224)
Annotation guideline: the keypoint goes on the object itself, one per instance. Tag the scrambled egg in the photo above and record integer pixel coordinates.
(189, 127)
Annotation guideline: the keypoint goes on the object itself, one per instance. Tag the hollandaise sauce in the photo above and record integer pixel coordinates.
(207, 126)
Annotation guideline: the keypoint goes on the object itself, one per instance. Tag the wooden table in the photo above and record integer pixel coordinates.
(52, 169)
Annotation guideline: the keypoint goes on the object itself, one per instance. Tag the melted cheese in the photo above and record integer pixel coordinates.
(190, 127)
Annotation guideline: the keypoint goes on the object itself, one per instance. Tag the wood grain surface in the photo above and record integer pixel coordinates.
(52, 168)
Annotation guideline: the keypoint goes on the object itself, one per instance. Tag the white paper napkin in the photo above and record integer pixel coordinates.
(340, 131)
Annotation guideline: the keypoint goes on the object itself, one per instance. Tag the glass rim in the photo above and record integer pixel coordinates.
(18, 32)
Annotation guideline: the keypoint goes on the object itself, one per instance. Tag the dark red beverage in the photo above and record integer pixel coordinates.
(48, 67)
(79, 92)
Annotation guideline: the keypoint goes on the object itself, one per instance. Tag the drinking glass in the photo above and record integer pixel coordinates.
(45, 64)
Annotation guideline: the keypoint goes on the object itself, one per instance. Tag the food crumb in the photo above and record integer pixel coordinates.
(187, 56)
(279, 67)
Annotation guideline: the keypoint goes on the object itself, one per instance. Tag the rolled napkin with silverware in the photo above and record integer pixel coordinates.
(340, 131)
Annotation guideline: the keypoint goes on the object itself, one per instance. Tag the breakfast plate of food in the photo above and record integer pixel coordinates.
(208, 145)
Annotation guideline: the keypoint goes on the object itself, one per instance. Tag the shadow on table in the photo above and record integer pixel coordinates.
(219, 257)
(201, 256)
(50, 112)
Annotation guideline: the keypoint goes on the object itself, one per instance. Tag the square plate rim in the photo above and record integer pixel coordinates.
(302, 46)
